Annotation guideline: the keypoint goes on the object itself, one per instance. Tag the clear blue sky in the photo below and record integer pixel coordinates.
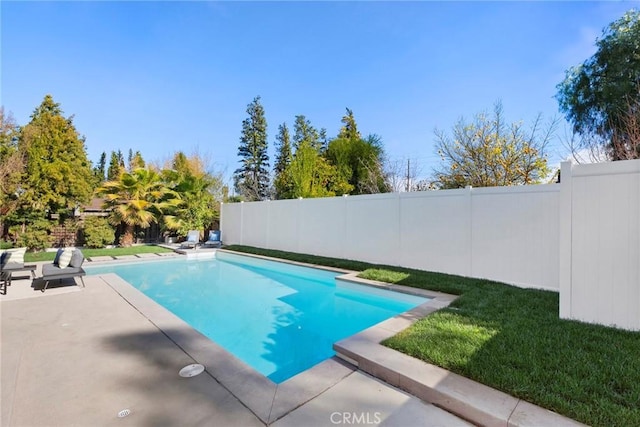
(163, 76)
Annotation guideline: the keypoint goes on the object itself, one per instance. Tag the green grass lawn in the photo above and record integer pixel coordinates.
(88, 253)
(513, 340)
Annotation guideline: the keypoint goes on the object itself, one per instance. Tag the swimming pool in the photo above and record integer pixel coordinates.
(279, 318)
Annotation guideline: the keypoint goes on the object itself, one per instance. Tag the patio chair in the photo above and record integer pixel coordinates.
(67, 265)
(213, 240)
(193, 238)
(12, 261)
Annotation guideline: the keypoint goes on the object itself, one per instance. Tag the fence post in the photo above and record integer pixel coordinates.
(220, 222)
(565, 239)
(241, 222)
(469, 189)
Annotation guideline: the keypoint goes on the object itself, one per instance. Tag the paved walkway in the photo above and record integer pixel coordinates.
(73, 356)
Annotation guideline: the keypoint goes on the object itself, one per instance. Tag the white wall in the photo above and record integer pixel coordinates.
(600, 262)
(506, 234)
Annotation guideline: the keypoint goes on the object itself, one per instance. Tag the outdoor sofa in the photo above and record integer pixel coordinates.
(66, 265)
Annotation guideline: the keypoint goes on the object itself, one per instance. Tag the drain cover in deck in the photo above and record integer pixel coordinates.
(191, 370)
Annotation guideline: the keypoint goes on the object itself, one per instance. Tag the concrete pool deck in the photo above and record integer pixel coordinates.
(74, 356)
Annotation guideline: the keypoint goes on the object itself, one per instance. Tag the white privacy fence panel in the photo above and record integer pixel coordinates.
(255, 224)
(231, 222)
(450, 231)
(600, 279)
(435, 231)
(321, 226)
(514, 237)
(283, 225)
(372, 229)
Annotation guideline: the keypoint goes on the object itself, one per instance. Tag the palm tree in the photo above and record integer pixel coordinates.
(197, 206)
(137, 198)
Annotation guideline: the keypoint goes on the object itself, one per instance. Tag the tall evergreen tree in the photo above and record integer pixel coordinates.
(58, 174)
(136, 161)
(323, 139)
(304, 131)
(130, 160)
(350, 129)
(115, 166)
(282, 179)
(100, 169)
(121, 160)
(252, 177)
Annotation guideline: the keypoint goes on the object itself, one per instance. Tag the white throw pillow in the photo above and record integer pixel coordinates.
(65, 258)
(15, 255)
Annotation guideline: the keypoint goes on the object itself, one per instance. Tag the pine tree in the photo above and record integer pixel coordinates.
(282, 179)
(100, 169)
(130, 160)
(350, 129)
(136, 162)
(115, 167)
(252, 177)
(304, 131)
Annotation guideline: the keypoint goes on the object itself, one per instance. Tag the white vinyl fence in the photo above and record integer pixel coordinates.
(580, 237)
(507, 234)
(600, 243)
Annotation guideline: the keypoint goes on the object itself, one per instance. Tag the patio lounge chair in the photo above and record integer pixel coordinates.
(12, 261)
(64, 268)
(193, 238)
(213, 240)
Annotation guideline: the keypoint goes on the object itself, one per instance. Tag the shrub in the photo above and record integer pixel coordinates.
(98, 233)
(36, 236)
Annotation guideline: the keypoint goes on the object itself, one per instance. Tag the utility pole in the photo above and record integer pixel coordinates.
(408, 174)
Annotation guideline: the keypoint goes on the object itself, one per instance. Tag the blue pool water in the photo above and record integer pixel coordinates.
(278, 318)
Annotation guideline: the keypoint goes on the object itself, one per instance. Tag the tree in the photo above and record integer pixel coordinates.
(137, 198)
(401, 175)
(252, 177)
(12, 165)
(312, 176)
(198, 191)
(136, 161)
(358, 161)
(116, 166)
(304, 131)
(487, 152)
(350, 129)
(100, 169)
(282, 178)
(97, 232)
(58, 175)
(601, 96)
